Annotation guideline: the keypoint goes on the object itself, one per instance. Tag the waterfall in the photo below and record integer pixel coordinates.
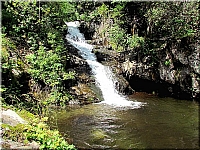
(103, 75)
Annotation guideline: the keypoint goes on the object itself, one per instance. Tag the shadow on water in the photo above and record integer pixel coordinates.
(163, 123)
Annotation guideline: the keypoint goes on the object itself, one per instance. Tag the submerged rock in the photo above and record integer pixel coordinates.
(99, 134)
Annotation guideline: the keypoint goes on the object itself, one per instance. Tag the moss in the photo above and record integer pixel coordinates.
(26, 115)
(14, 133)
(98, 134)
(36, 130)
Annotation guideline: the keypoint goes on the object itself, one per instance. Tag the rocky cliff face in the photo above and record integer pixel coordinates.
(173, 70)
(82, 87)
(176, 72)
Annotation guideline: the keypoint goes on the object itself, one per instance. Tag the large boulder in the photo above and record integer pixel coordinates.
(83, 94)
(12, 118)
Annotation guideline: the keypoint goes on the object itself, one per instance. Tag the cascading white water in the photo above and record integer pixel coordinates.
(103, 74)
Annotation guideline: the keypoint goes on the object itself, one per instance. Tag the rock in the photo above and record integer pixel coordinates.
(103, 54)
(129, 67)
(98, 134)
(167, 74)
(74, 102)
(122, 85)
(9, 144)
(100, 56)
(195, 86)
(34, 145)
(83, 94)
(12, 118)
(180, 56)
(194, 61)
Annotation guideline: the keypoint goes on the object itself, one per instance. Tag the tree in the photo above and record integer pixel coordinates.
(36, 30)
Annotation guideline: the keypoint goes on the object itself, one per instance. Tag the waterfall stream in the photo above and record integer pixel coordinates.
(118, 122)
(103, 75)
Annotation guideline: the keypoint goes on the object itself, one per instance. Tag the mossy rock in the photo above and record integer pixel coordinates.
(26, 115)
(99, 134)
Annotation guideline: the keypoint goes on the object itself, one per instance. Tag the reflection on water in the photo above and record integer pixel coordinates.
(162, 123)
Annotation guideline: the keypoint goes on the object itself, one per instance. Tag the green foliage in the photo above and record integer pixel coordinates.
(47, 138)
(117, 38)
(135, 41)
(35, 30)
(26, 115)
(57, 97)
(31, 21)
(46, 66)
(12, 67)
(103, 10)
(167, 62)
(175, 20)
(8, 47)
(86, 11)
(117, 13)
(36, 130)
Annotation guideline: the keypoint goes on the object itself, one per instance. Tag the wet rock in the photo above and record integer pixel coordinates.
(122, 85)
(167, 74)
(194, 61)
(103, 54)
(177, 70)
(100, 56)
(83, 94)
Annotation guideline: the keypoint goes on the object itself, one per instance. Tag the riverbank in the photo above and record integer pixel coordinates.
(22, 130)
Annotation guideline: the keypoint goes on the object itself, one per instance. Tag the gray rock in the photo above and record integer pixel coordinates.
(34, 145)
(194, 61)
(9, 144)
(12, 118)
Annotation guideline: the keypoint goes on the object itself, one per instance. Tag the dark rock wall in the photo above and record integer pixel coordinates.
(176, 71)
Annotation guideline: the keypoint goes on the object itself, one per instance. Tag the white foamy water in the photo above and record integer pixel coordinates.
(103, 75)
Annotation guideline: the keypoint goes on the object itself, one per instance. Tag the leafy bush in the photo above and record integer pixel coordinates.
(176, 20)
(135, 41)
(36, 130)
(117, 38)
(36, 38)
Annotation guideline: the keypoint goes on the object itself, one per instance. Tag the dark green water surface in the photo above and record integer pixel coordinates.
(162, 123)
